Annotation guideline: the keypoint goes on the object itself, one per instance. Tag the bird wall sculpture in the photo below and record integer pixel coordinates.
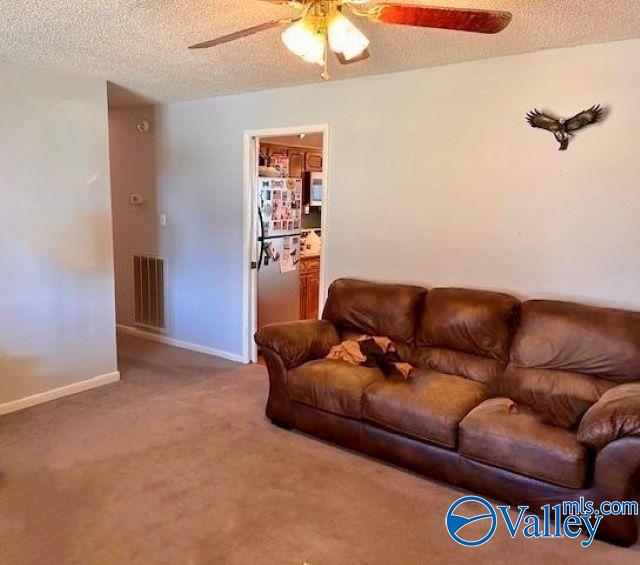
(564, 129)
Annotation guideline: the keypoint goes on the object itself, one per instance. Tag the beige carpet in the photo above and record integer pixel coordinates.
(177, 464)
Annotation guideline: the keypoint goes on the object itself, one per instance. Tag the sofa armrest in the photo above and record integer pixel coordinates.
(297, 342)
(615, 415)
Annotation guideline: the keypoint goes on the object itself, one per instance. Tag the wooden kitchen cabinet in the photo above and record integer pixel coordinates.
(296, 164)
(309, 287)
(314, 162)
(300, 160)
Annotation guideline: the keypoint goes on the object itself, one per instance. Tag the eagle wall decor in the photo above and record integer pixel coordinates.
(563, 129)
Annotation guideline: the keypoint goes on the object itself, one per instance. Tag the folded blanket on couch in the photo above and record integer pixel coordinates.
(371, 351)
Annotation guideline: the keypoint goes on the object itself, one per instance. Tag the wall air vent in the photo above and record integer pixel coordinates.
(148, 291)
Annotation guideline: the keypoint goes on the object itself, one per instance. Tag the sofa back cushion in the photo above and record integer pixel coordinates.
(371, 308)
(565, 356)
(466, 332)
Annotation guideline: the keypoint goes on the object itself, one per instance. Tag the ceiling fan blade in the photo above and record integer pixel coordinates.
(293, 3)
(479, 21)
(242, 33)
(363, 56)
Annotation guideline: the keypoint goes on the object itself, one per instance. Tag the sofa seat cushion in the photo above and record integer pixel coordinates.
(428, 406)
(332, 385)
(504, 434)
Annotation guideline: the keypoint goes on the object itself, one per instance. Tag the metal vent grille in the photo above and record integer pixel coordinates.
(148, 290)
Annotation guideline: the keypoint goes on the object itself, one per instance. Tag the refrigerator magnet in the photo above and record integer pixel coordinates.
(273, 252)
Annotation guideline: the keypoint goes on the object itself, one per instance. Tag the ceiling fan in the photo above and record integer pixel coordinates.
(323, 22)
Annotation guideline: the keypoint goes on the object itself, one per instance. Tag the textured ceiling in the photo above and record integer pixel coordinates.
(311, 140)
(141, 45)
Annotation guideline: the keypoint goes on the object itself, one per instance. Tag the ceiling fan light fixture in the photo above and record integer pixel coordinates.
(346, 38)
(321, 25)
(303, 40)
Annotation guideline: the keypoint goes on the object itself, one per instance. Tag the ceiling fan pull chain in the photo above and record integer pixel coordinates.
(325, 72)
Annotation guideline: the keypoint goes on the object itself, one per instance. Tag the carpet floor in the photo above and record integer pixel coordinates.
(178, 464)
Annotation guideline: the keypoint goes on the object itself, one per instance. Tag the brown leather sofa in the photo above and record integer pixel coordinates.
(531, 403)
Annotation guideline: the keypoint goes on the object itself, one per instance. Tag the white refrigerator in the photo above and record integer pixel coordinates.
(279, 227)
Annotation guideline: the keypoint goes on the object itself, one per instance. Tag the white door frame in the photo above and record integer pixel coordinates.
(249, 277)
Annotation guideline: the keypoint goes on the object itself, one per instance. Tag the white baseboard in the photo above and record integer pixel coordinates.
(181, 344)
(55, 393)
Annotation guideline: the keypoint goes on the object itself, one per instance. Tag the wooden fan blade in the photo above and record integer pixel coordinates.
(479, 21)
(293, 3)
(363, 56)
(242, 33)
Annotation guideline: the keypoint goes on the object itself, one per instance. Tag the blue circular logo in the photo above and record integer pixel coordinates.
(456, 522)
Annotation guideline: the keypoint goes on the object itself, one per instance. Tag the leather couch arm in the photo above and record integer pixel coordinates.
(614, 416)
(617, 477)
(298, 342)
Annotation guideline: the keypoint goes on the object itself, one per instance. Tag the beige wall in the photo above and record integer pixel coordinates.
(435, 178)
(56, 289)
(133, 171)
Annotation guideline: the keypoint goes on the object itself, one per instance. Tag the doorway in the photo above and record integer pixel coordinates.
(285, 226)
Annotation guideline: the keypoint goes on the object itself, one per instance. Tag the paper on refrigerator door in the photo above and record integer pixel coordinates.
(287, 263)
